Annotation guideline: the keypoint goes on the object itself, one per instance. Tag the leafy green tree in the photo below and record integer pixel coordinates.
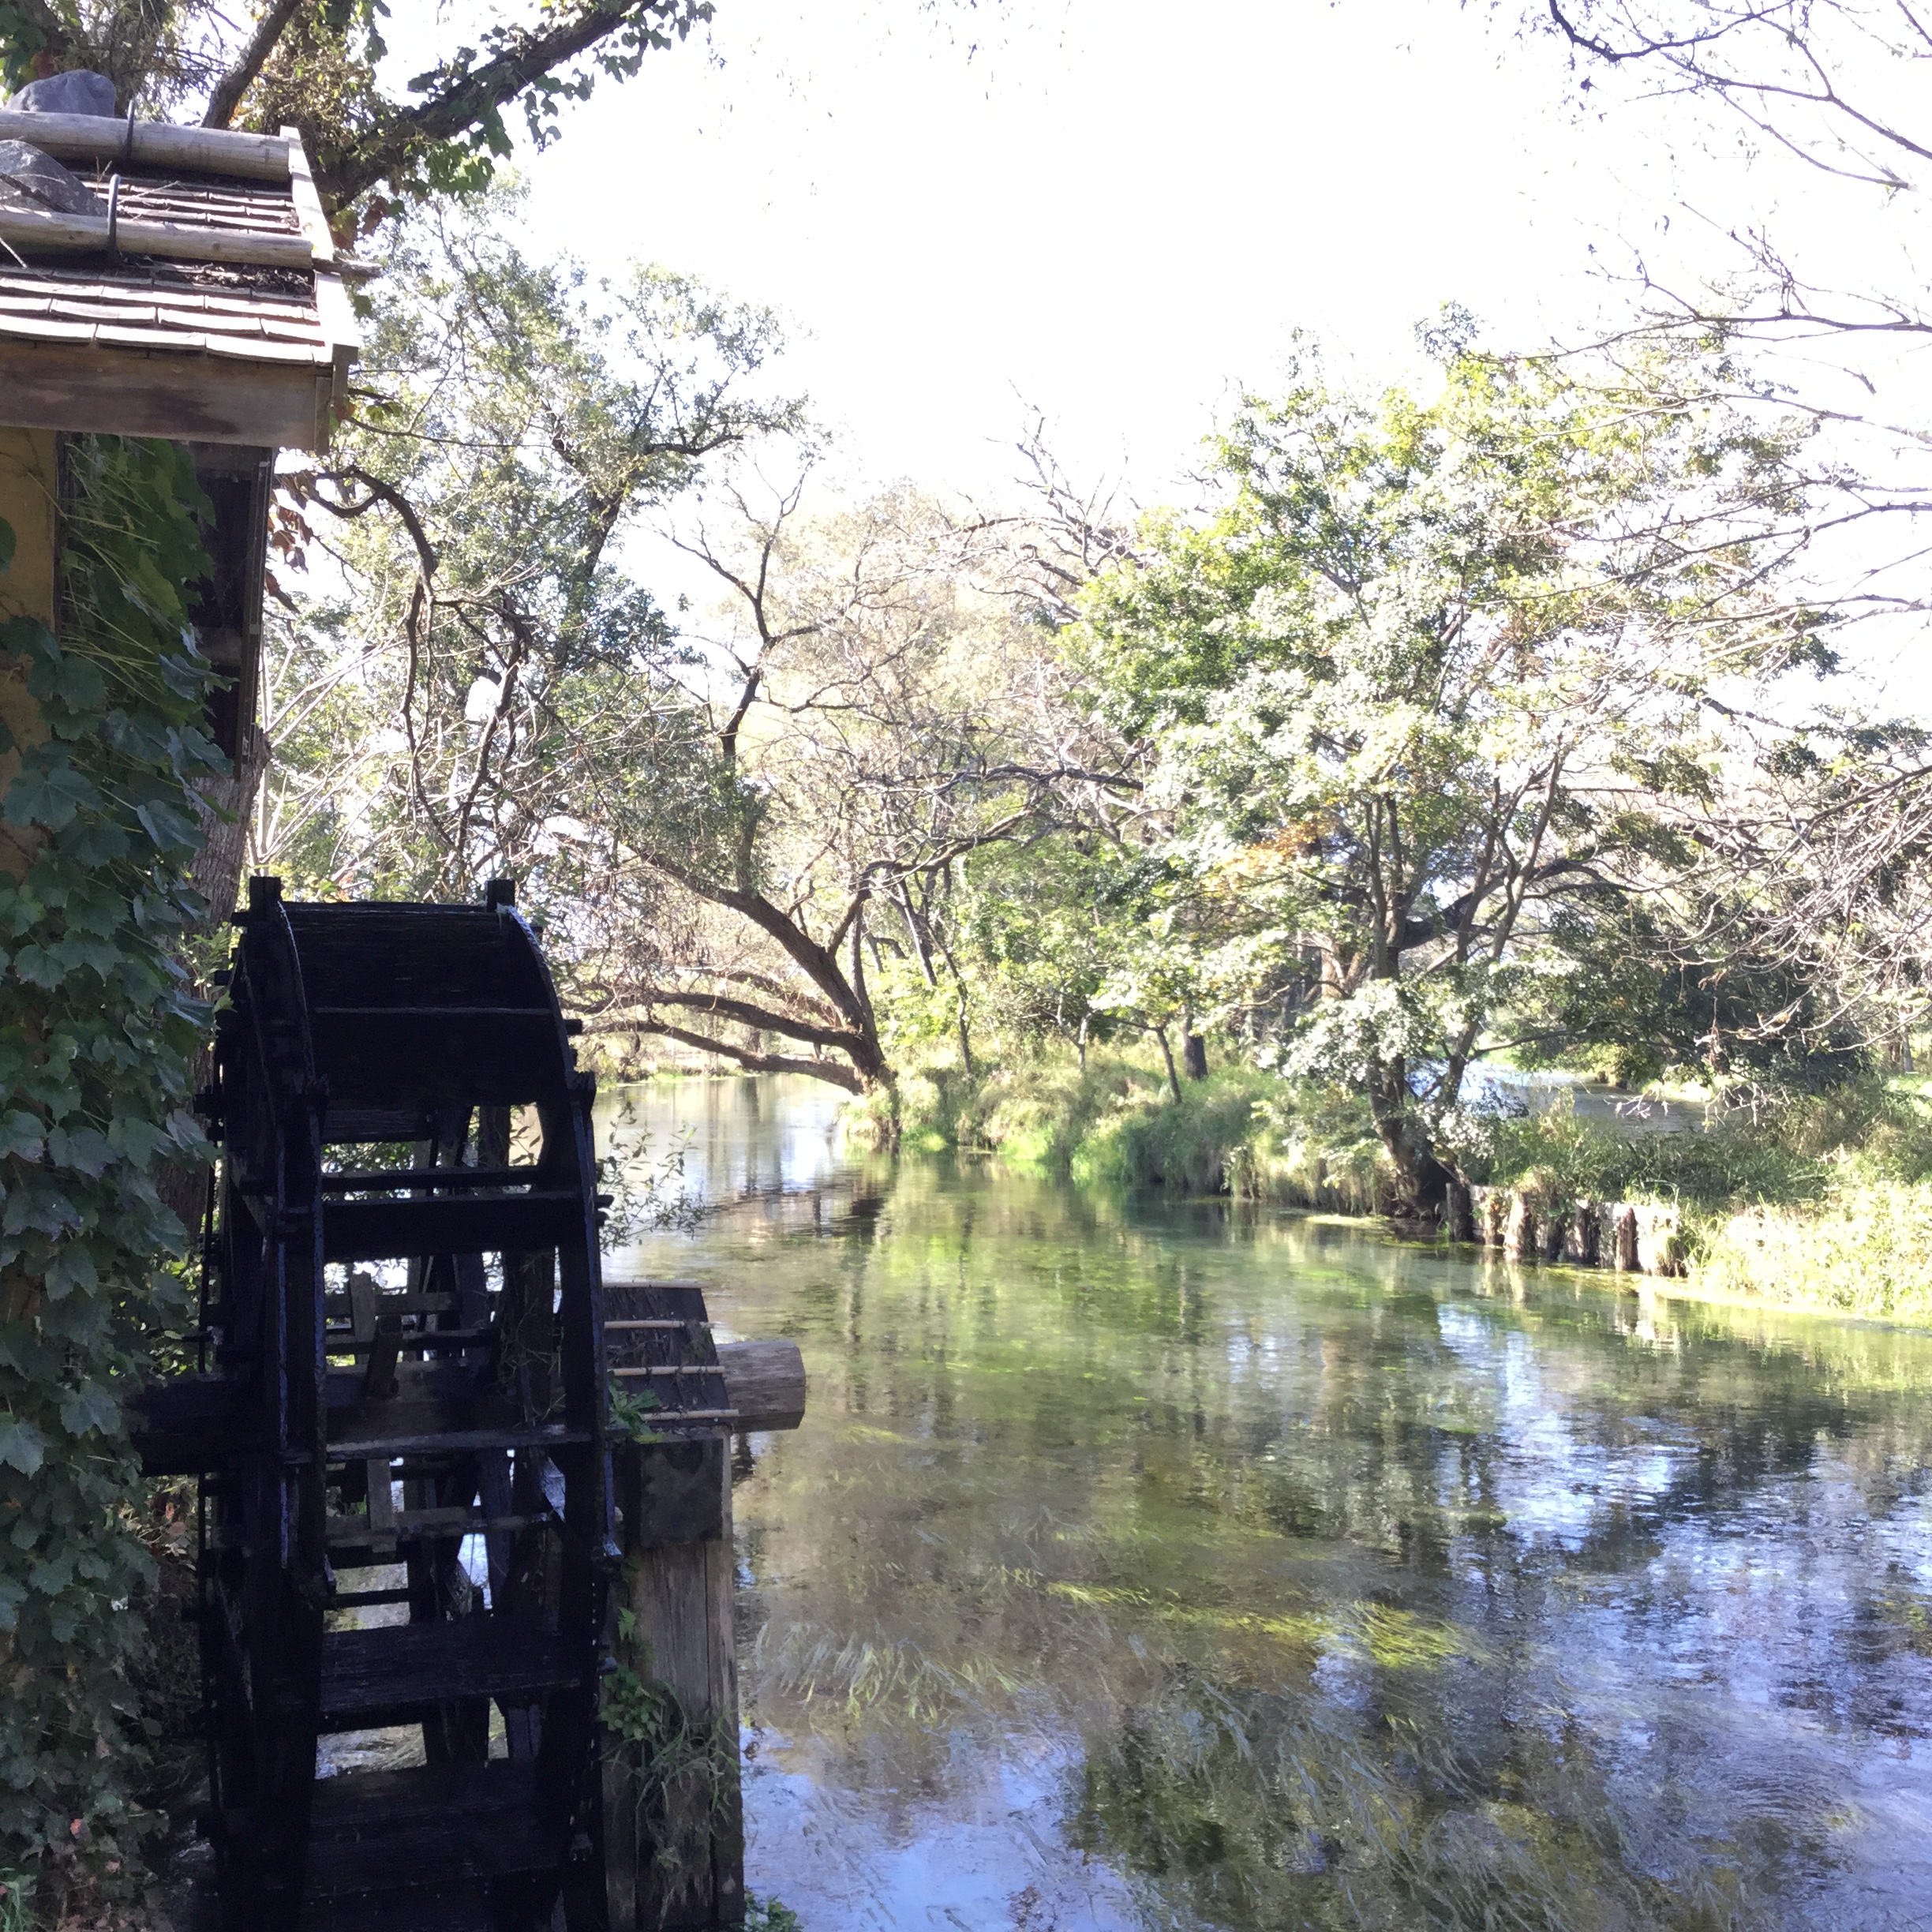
(1418, 693)
(735, 821)
(477, 685)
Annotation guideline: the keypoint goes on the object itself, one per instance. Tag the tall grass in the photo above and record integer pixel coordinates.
(1813, 1200)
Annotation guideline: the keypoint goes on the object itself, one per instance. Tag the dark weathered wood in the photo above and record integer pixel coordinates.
(676, 1863)
(443, 1055)
(674, 1852)
(394, 1526)
(432, 1825)
(460, 1908)
(389, 1230)
(183, 1424)
(408, 1665)
(188, 395)
(390, 1426)
(180, 1424)
(653, 1326)
(510, 1435)
(378, 1373)
(372, 1179)
(672, 1492)
(766, 1382)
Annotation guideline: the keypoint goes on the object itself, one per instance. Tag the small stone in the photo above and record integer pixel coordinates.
(30, 179)
(82, 91)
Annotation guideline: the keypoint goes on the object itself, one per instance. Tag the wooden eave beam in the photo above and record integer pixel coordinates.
(190, 397)
(333, 307)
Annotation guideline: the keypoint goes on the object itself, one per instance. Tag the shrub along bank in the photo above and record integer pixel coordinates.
(1820, 1200)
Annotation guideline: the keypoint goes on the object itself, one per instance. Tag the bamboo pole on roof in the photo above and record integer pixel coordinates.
(88, 234)
(150, 143)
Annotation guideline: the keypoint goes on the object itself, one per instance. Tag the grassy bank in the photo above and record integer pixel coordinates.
(1115, 1121)
(1820, 1201)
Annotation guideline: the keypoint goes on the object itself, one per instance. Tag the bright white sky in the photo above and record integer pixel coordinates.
(1106, 209)
(1113, 210)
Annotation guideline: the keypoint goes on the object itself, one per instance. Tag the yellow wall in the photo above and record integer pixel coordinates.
(29, 490)
(29, 495)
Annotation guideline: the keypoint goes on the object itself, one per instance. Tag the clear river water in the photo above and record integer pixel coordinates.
(1152, 1564)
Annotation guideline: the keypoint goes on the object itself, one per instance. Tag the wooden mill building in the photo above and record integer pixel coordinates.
(189, 290)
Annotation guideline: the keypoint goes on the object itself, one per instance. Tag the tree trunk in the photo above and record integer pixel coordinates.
(1194, 1055)
(1173, 1079)
(1422, 1183)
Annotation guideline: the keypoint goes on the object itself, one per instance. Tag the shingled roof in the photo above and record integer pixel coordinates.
(204, 301)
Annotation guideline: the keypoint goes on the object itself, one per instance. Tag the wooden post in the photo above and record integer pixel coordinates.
(673, 1817)
(1620, 1230)
(1581, 1246)
(1519, 1234)
(29, 495)
(1552, 1231)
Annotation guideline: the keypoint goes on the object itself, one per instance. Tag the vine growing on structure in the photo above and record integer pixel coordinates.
(98, 1035)
(654, 1733)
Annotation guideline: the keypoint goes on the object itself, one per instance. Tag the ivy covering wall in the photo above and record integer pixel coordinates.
(97, 1036)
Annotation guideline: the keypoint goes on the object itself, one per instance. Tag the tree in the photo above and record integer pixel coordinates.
(731, 830)
(876, 712)
(1818, 78)
(1811, 863)
(1418, 690)
(476, 654)
(312, 64)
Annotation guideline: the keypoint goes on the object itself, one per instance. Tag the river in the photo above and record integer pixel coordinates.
(1147, 1563)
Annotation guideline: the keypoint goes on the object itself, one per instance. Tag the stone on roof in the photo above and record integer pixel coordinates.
(82, 91)
(30, 179)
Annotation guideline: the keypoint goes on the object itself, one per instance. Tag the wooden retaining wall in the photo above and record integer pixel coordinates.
(1633, 1237)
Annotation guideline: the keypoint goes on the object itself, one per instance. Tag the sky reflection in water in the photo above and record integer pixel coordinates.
(1151, 1564)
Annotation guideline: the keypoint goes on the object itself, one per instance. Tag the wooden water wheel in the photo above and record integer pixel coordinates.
(400, 1428)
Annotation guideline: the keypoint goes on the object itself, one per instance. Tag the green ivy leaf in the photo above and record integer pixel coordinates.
(90, 1407)
(49, 793)
(22, 1446)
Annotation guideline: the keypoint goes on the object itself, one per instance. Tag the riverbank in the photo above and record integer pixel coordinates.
(1819, 1202)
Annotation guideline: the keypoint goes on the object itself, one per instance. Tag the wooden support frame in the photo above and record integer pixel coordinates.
(674, 1854)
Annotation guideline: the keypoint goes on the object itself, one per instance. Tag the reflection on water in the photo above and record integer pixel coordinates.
(1150, 1564)
(732, 1140)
